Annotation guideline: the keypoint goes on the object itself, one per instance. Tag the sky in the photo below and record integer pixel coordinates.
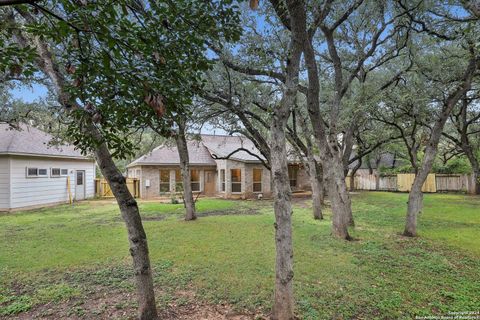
(29, 93)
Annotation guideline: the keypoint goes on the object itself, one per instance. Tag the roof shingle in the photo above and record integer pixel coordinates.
(32, 141)
(168, 155)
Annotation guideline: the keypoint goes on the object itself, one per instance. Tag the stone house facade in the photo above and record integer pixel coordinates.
(219, 166)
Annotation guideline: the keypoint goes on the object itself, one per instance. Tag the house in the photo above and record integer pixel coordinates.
(374, 164)
(226, 166)
(33, 173)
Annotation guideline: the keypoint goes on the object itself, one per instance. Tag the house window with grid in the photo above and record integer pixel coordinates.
(236, 175)
(178, 181)
(195, 180)
(55, 172)
(292, 175)
(222, 180)
(164, 181)
(37, 172)
(257, 180)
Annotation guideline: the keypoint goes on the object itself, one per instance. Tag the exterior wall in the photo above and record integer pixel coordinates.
(152, 174)
(266, 181)
(37, 191)
(303, 179)
(247, 179)
(229, 165)
(4, 183)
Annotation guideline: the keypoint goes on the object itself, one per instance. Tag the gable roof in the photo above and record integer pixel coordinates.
(168, 155)
(224, 146)
(34, 142)
(203, 151)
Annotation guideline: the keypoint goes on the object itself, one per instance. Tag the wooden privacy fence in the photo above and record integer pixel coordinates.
(102, 188)
(403, 182)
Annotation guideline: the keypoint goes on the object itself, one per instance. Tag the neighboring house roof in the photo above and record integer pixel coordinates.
(386, 160)
(34, 142)
(168, 155)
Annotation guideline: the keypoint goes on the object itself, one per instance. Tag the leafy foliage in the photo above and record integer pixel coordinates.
(130, 64)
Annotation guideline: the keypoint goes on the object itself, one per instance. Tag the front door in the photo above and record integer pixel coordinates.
(209, 186)
(80, 185)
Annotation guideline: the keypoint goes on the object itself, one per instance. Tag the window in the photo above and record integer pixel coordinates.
(195, 180)
(222, 179)
(178, 181)
(32, 172)
(64, 172)
(164, 181)
(292, 175)
(37, 172)
(55, 172)
(80, 178)
(236, 175)
(257, 180)
(137, 173)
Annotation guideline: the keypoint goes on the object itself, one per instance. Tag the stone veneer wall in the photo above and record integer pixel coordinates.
(152, 173)
(247, 179)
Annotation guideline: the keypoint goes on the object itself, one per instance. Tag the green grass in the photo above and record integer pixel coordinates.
(57, 254)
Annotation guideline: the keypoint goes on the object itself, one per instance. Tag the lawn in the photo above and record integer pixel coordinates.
(73, 261)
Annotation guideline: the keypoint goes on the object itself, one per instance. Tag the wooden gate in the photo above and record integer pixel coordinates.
(103, 190)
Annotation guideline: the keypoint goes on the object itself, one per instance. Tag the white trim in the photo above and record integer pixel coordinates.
(45, 155)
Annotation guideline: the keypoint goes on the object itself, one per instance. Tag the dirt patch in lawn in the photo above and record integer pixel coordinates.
(193, 309)
(206, 312)
(230, 212)
(122, 305)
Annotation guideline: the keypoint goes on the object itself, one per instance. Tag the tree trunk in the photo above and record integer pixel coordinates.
(353, 173)
(184, 166)
(317, 189)
(321, 183)
(283, 304)
(127, 204)
(470, 153)
(476, 179)
(283, 307)
(415, 202)
(377, 172)
(340, 201)
(415, 197)
(136, 234)
(377, 180)
(352, 182)
(328, 146)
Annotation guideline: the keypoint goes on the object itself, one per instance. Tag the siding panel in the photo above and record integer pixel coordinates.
(45, 190)
(4, 183)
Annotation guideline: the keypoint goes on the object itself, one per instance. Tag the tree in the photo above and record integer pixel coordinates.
(276, 154)
(90, 53)
(465, 123)
(451, 83)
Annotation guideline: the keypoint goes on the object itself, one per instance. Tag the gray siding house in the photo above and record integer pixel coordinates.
(217, 166)
(34, 174)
